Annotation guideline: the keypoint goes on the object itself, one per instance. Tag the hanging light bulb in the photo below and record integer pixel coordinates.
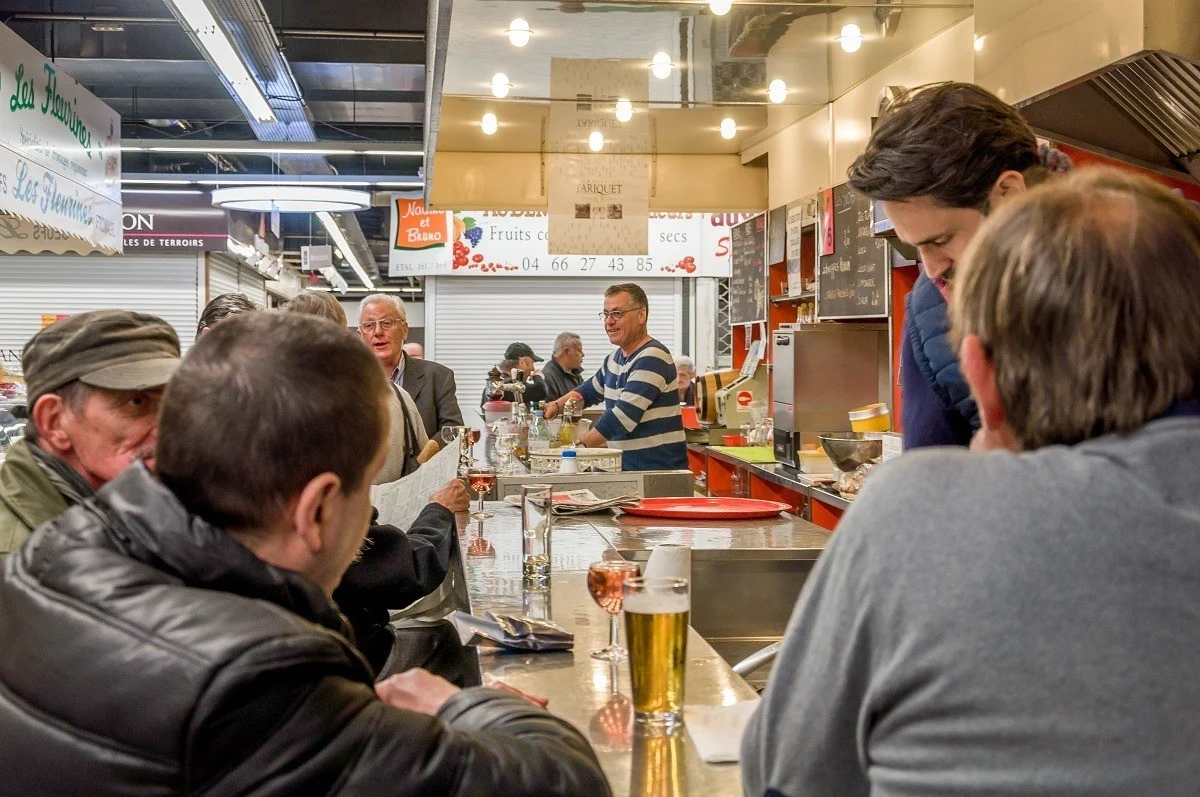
(518, 32)
(624, 110)
(661, 66)
(720, 7)
(777, 91)
(728, 128)
(851, 38)
(500, 85)
(596, 141)
(489, 124)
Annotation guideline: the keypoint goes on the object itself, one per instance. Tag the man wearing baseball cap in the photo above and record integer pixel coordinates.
(520, 355)
(94, 382)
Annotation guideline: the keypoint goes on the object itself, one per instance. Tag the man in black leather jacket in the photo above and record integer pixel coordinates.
(175, 634)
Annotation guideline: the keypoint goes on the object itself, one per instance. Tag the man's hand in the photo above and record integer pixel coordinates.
(553, 408)
(416, 690)
(453, 496)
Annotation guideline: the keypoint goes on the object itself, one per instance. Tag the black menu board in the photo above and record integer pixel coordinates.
(748, 271)
(854, 281)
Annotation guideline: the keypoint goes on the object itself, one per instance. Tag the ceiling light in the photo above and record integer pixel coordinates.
(777, 91)
(167, 191)
(210, 34)
(624, 109)
(596, 141)
(728, 128)
(979, 43)
(851, 38)
(661, 66)
(500, 85)
(290, 199)
(269, 147)
(339, 238)
(489, 124)
(518, 32)
(720, 7)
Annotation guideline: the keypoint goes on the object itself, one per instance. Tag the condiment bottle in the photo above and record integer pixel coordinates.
(569, 462)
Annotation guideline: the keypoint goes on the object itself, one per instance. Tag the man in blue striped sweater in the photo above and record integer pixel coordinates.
(637, 384)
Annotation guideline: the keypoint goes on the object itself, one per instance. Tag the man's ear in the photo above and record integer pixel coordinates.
(48, 416)
(314, 512)
(1008, 185)
(980, 372)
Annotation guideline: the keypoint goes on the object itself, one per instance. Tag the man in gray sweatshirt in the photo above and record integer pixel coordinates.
(1025, 620)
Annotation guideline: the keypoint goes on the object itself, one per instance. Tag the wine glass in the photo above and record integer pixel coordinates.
(481, 478)
(506, 443)
(605, 580)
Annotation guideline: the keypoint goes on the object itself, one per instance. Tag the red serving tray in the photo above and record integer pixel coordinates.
(706, 508)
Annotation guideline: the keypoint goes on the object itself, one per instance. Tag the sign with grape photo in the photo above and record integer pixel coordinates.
(515, 243)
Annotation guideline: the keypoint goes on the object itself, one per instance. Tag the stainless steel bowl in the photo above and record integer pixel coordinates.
(848, 450)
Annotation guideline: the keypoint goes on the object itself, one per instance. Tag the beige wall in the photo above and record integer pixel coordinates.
(815, 152)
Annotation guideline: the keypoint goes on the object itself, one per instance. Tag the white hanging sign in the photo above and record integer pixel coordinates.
(60, 154)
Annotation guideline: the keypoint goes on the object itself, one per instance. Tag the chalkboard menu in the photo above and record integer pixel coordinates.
(748, 271)
(854, 281)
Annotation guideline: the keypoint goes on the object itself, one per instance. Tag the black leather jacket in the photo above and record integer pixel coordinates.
(146, 652)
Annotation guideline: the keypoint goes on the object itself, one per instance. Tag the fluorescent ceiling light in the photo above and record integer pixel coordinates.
(216, 45)
(271, 147)
(179, 191)
(290, 199)
(273, 180)
(339, 238)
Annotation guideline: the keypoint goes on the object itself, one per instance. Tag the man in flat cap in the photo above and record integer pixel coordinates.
(94, 383)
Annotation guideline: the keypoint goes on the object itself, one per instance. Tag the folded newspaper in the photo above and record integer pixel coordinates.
(582, 502)
(507, 631)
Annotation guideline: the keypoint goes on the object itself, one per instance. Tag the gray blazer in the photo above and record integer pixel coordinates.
(432, 388)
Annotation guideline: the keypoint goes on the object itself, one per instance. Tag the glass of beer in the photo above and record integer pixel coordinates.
(656, 629)
(605, 581)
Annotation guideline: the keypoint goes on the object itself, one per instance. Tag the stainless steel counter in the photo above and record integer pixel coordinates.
(594, 695)
(782, 475)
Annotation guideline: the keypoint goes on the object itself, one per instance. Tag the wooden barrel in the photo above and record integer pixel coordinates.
(707, 386)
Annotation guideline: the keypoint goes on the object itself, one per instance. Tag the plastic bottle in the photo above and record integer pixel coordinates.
(569, 462)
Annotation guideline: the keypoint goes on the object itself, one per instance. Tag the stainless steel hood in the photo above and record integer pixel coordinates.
(1137, 97)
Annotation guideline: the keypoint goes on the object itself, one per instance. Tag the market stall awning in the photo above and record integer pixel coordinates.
(60, 159)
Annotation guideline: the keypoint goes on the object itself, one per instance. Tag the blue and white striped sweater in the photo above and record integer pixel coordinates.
(641, 399)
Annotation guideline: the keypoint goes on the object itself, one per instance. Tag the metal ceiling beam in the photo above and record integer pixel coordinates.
(287, 33)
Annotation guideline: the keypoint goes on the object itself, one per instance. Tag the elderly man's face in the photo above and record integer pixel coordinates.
(572, 356)
(626, 321)
(112, 429)
(382, 329)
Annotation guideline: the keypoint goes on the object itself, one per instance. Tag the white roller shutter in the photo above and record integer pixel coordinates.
(163, 285)
(470, 320)
(229, 275)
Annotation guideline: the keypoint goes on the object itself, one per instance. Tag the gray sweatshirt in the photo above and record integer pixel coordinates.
(999, 624)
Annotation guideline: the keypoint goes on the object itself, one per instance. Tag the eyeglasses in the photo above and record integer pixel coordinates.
(384, 325)
(617, 314)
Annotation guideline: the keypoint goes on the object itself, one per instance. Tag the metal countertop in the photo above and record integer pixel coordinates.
(594, 695)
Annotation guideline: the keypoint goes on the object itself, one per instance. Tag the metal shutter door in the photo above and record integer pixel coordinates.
(229, 275)
(222, 276)
(469, 321)
(162, 285)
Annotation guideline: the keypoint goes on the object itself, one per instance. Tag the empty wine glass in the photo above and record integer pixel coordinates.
(506, 444)
(605, 581)
(481, 478)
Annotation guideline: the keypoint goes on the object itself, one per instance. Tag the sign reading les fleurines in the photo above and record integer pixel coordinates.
(854, 281)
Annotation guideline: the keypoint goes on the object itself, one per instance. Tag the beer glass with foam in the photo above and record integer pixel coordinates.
(656, 630)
